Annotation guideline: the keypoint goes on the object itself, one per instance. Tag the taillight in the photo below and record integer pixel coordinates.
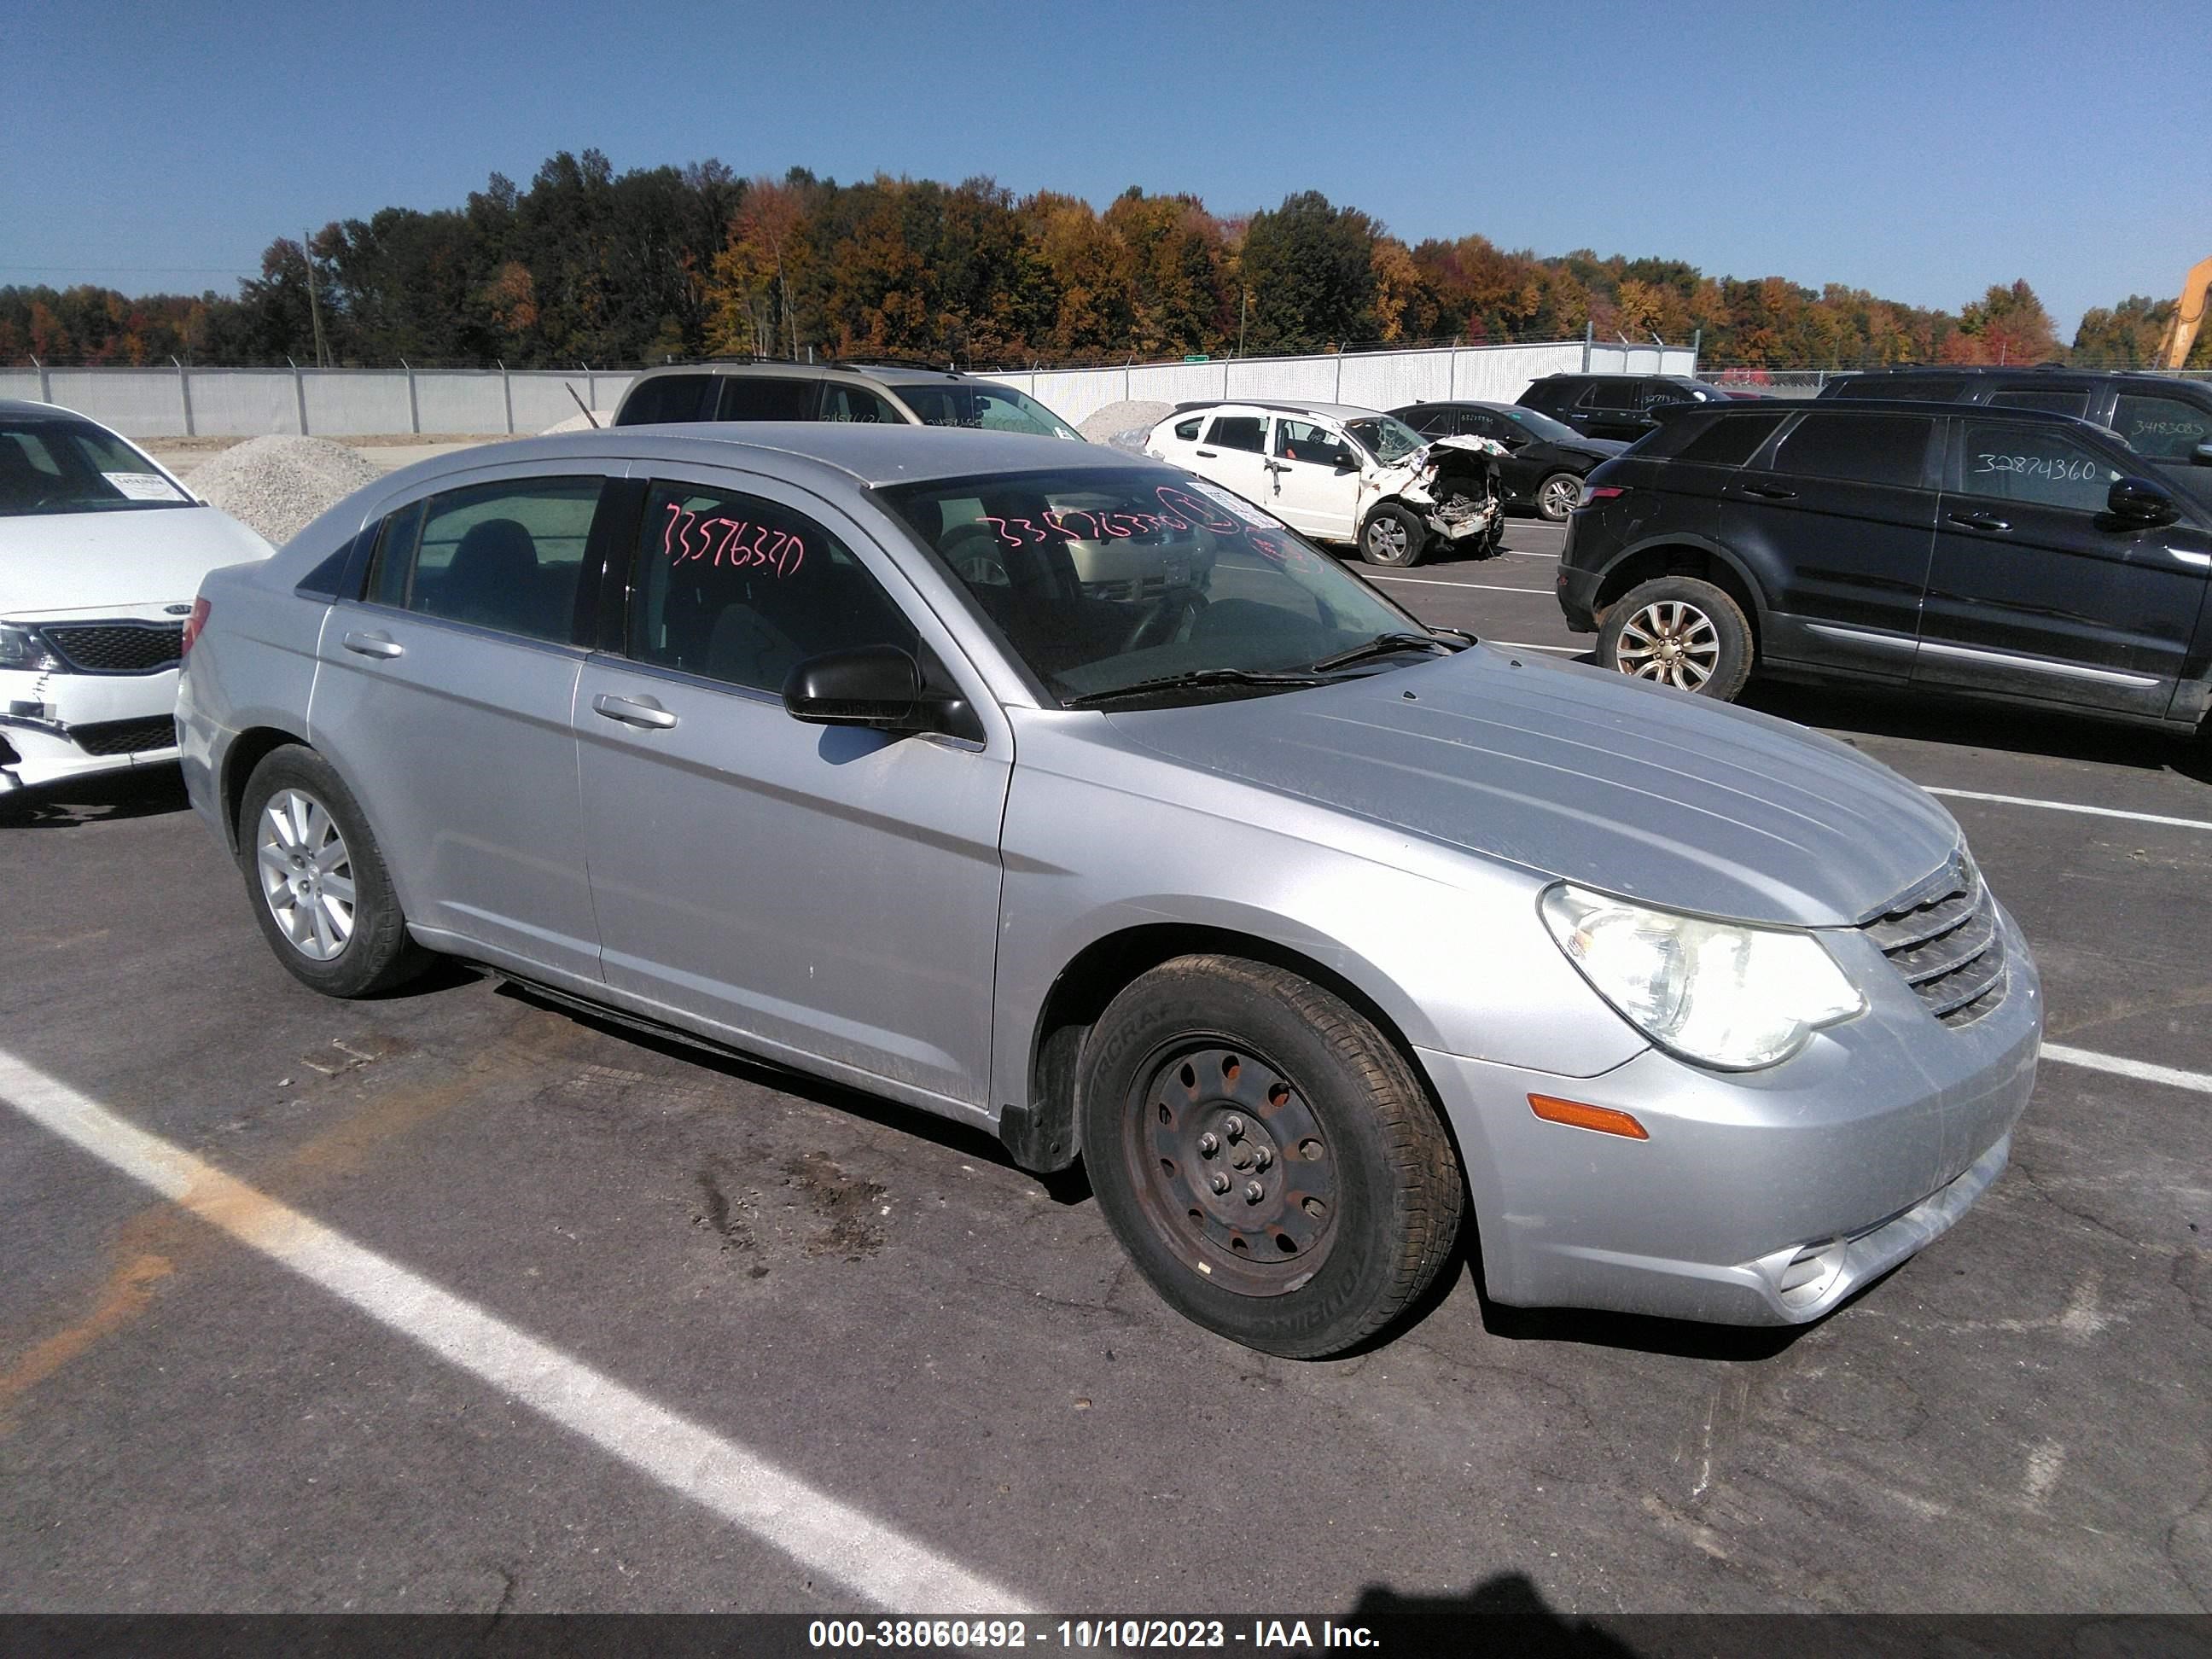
(1601, 492)
(193, 624)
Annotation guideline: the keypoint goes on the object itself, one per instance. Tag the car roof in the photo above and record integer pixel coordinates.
(893, 374)
(2035, 374)
(1865, 408)
(864, 453)
(20, 407)
(1278, 406)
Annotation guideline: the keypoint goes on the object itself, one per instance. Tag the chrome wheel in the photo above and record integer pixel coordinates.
(1387, 540)
(307, 874)
(1232, 1169)
(1558, 495)
(1671, 641)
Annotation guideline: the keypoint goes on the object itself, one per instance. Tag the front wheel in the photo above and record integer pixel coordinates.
(1556, 495)
(1269, 1160)
(1394, 537)
(1681, 632)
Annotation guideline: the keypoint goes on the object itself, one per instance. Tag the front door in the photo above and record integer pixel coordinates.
(1316, 480)
(444, 699)
(1839, 518)
(2036, 591)
(818, 891)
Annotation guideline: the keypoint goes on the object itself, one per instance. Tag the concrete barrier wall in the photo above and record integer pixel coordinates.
(342, 402)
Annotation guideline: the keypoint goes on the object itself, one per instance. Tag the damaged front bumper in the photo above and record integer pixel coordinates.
(56, 726)
(1456, 488)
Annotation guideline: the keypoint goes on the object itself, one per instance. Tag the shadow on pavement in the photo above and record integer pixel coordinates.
(143, 792)
(1504, 1614)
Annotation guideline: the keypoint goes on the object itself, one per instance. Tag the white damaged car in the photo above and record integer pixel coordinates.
(1338, 473)
(102, 552)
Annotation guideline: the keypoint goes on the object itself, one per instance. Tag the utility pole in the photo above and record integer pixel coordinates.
(314, 307)
(1244, 305)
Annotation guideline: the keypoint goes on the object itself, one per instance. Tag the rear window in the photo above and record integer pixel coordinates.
(762, 398)
(669, 398)
(1882, 449)
(1730, 442)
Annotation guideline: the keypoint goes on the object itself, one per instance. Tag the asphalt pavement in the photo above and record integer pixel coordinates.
(460, 1301)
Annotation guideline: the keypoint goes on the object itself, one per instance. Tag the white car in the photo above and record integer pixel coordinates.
(100, 553)
(1339, 473)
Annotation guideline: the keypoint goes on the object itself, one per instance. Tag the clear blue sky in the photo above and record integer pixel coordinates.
(1920, 151)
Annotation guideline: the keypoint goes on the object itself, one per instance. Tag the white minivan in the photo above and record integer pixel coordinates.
(1338, 473)
(100, 553)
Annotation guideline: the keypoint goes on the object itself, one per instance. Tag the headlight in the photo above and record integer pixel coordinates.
(24, 651)
(1710, 991)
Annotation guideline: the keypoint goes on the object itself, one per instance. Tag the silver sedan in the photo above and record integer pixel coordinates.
(1310, 930)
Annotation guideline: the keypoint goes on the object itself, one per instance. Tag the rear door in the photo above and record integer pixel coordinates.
(1611, 408)
(1838, 519)
(821, 891)
(2035, 591)
(444, 698)
(1233, 451)
(1315, 479)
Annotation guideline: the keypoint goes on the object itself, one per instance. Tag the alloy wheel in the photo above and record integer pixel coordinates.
(1559, 497)
(307, 874)
(1672, 641)
(1387, 539)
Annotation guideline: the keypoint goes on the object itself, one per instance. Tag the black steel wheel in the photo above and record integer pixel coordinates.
(1268, 1158)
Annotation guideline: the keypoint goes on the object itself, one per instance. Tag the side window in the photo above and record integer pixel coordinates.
(1481, 423)
(765, 398)
(853, 403)
(670, 398)
(1302, 440)
(1881, 449)
(2059, 400)
(1604, 394)
(1188, 430)
(2165, 429)
(2036, 463)
(1728, 441)
(740, 590)
(1657, 394)
(1432, 420)
(1239, 432)
(504, 555)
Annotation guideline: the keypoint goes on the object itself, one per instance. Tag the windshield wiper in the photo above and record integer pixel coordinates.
(1382, 646)
(1196, 677)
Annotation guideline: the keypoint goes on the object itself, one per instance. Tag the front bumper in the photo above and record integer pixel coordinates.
(58, 725)
(1760, 1198)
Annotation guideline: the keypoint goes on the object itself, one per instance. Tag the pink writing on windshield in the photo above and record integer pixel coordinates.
(688, 536)
(1215, 517)
(1080, 525)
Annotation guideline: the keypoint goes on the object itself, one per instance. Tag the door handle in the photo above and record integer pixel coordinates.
(633, 711)
(1770, 492)
(374, 645)
(1979, 521)
(1211, 455)
(1276, 466)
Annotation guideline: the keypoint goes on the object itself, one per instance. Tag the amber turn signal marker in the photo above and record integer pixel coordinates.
(1603, 1119)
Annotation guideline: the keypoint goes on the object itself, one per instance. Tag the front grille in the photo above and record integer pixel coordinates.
(125, 737)
(1943, 936)
(117, 647)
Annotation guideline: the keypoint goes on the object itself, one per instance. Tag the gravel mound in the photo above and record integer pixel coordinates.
(1124, 424)
(576, 423)
(279, 485)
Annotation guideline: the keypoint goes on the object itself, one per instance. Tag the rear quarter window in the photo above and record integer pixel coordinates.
(1188, 430)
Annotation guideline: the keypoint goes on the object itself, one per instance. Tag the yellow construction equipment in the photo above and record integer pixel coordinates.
(2188, 316)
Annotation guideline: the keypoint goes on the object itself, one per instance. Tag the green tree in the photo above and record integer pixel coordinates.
(1309, 267)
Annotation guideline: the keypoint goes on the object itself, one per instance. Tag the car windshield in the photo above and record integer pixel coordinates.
(49, 466)
(1385, 437)
(993, 408)
(1539, 425)
(1104, 580)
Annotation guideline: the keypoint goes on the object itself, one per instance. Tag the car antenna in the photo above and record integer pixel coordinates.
(581, 404)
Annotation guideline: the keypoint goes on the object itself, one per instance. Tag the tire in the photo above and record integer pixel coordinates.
(1681, 632)
(1302, 1097)
(303, 848)
(1556, 495)
(1393, 537)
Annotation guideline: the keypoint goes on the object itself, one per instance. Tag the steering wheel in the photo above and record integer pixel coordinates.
(1163, 620)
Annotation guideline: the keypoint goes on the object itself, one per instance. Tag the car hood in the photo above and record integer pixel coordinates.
(1629, 788)
(55, 564)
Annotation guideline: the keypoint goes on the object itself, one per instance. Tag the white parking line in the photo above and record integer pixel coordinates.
(2071, 806)
(2141, 1070)
(1440, 581)
(866, 1556)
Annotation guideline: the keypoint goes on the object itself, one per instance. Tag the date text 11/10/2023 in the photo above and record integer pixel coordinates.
(1257, 1635)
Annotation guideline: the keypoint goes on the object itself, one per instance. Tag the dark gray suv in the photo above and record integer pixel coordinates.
(866, 394)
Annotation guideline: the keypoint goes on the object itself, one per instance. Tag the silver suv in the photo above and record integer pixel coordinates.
(883, 394)
(1309, 929)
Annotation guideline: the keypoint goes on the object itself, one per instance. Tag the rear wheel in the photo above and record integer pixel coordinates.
(315, 879)
(1267, 1156)
(1393, 535)
(1556, 495)
(1681, 632)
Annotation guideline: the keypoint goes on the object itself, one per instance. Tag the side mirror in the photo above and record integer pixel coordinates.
(1346, 461)
(2201, 455)
(2140, 502)
(873, 685)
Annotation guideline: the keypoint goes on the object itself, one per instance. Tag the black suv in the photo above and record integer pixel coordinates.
(1614, 405)
(2005, 552)
(2167, 419)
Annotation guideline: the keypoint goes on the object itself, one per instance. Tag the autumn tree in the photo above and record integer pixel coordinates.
(1309, 268)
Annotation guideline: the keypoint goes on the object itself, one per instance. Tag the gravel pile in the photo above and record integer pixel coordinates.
(1124, 424)
(577, 423)
(279, 485)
